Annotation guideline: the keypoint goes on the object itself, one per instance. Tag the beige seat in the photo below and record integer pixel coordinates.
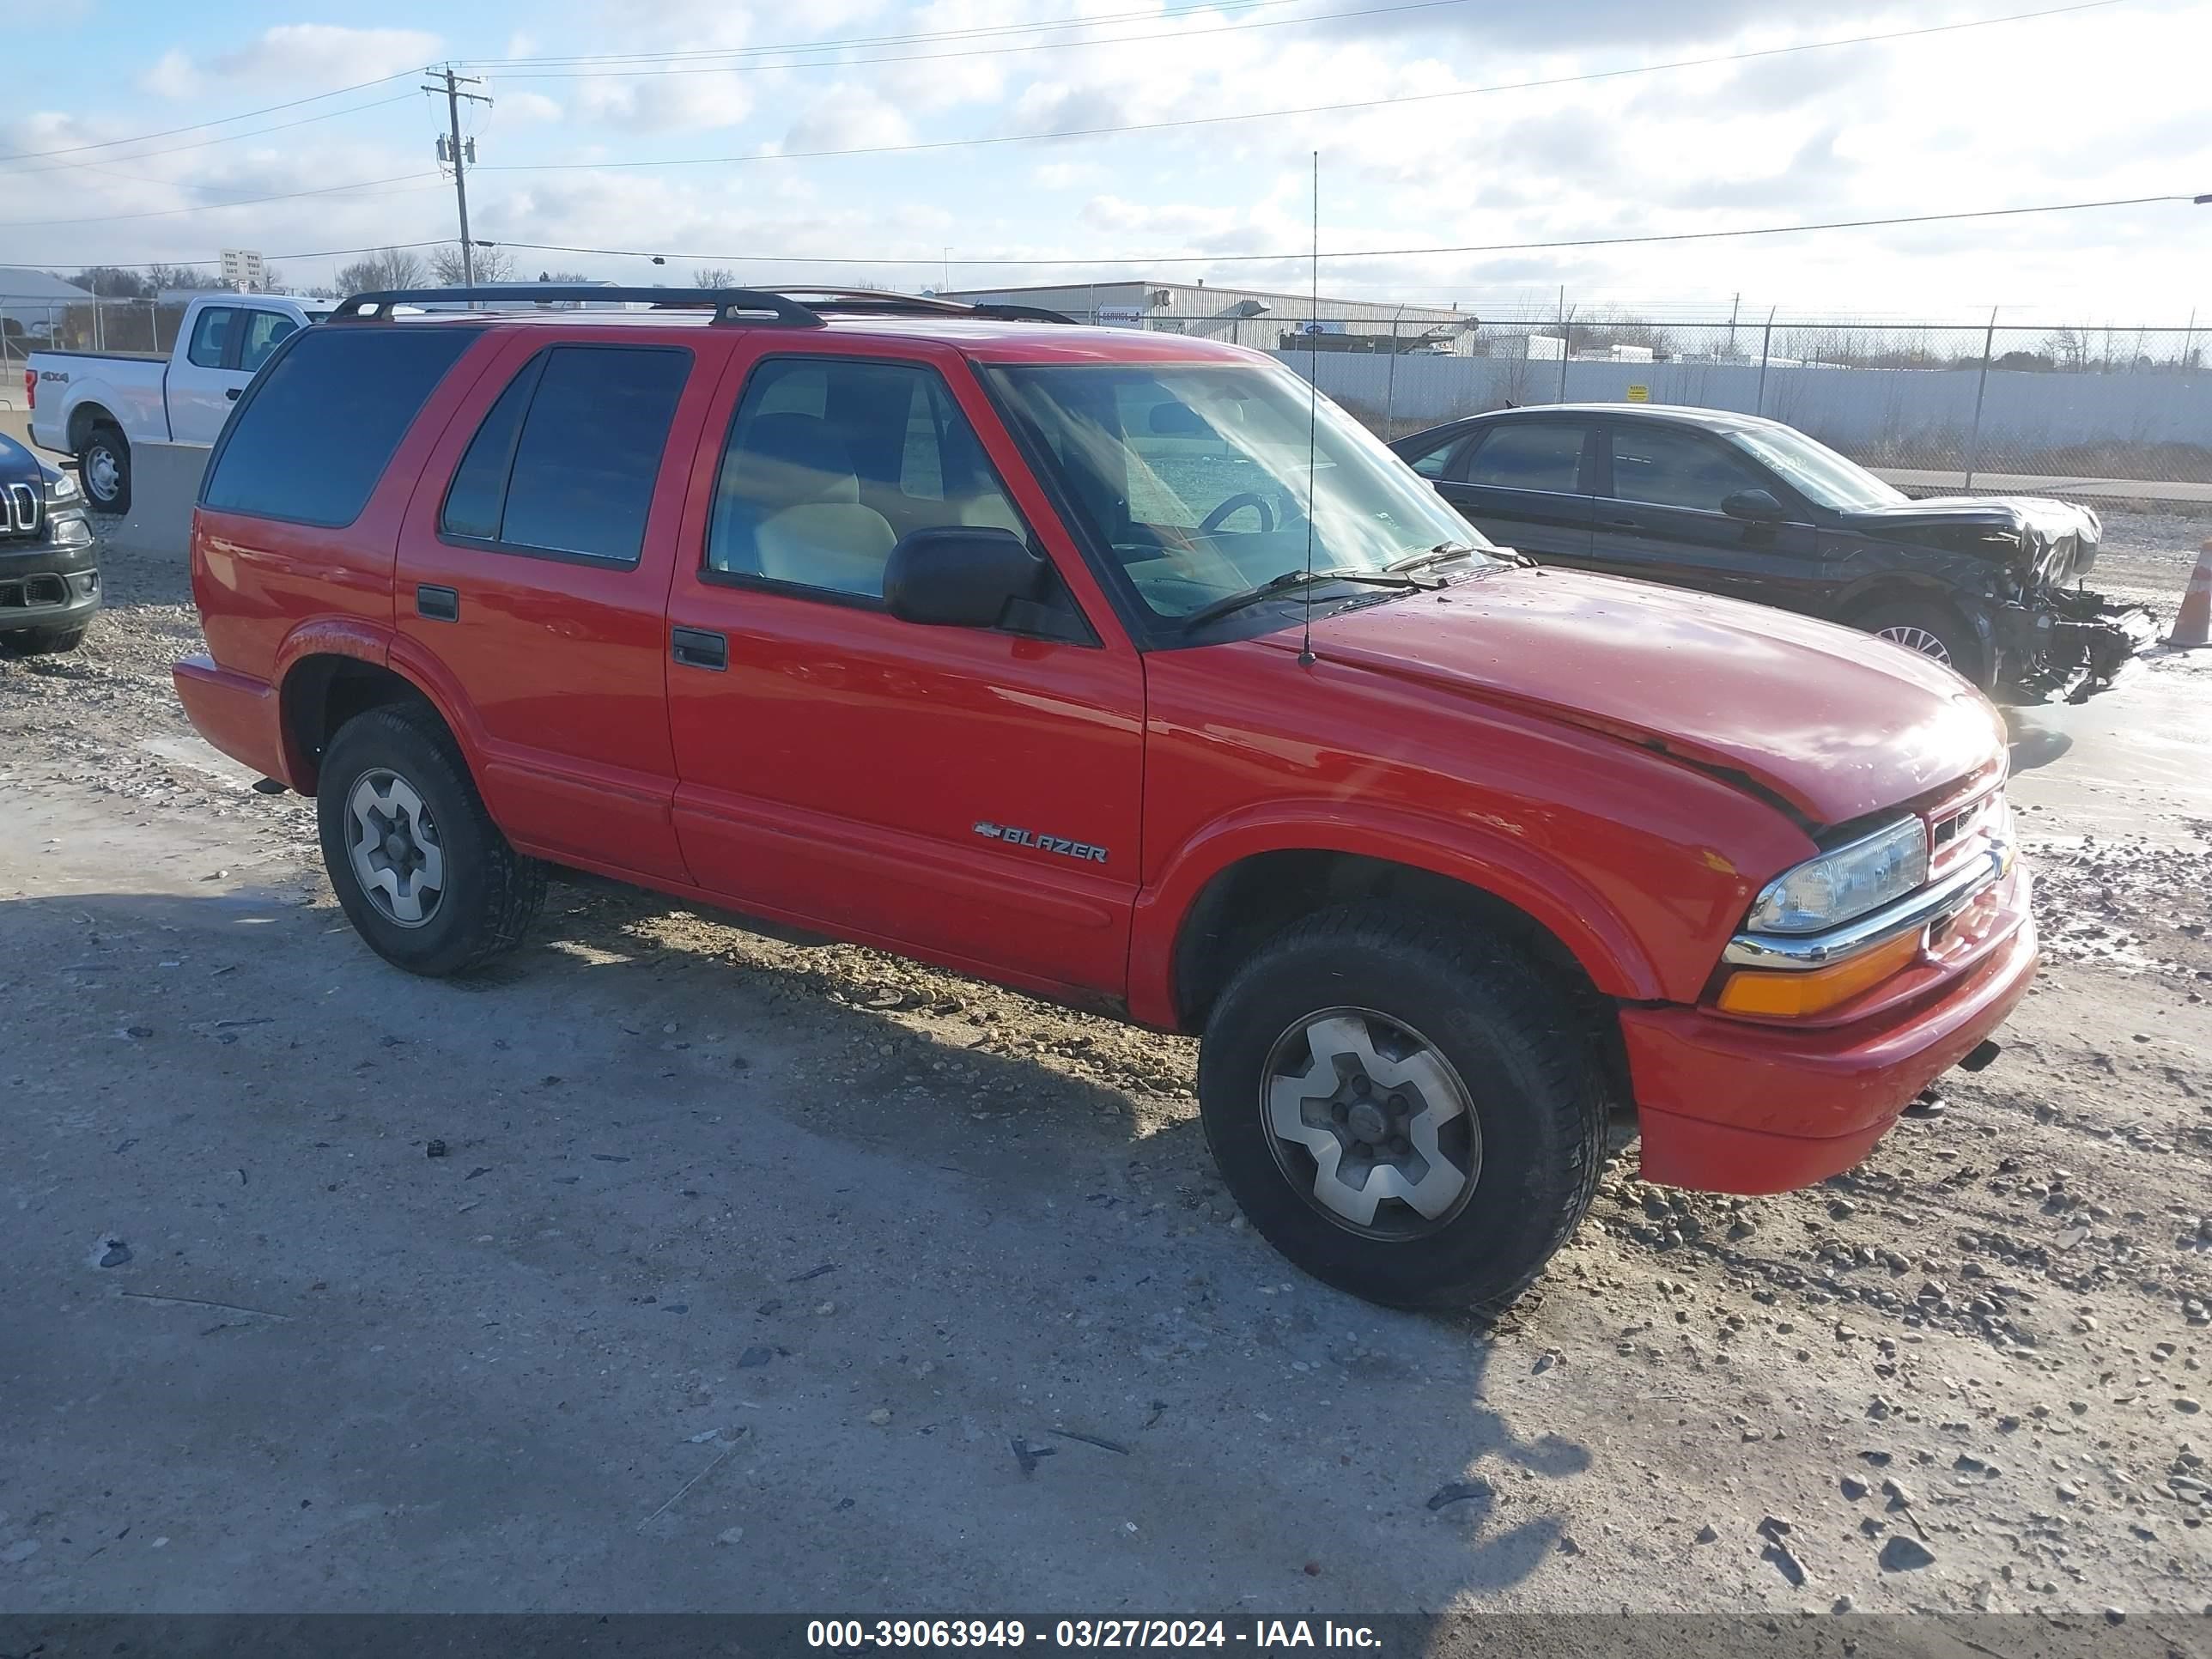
(839, 545)
(789, 508)
(989, 509)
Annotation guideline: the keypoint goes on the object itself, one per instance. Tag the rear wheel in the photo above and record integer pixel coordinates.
(103, 467)
(1408, 1113)
(41, 641)
(1931, 630)
(419, 867)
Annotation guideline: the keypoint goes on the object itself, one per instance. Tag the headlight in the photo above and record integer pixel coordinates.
(62, 488)
(72, 530)
(1829, 890)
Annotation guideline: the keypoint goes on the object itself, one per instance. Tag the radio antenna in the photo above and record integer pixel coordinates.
(1313, 411)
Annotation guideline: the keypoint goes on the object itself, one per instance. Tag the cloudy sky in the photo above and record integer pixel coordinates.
(2108, 101)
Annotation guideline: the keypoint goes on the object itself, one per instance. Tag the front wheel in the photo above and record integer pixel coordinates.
(103, 465)
(419, 867)
(41, 641)
(1407, 1112)
(1932, 630)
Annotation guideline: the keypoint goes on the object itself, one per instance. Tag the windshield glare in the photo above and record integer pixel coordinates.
(1818, 473)
(1201, 480)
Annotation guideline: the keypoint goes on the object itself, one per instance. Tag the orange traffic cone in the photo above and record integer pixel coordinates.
(2192, 623)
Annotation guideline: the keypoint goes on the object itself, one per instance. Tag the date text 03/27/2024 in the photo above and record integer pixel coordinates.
(1085, 1634)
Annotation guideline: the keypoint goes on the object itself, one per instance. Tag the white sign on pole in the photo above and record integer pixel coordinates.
(242, 269)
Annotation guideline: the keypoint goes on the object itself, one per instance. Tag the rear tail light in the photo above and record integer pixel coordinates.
(30, 388)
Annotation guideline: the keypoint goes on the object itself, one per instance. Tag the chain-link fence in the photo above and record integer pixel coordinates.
(1940, 406)
(41, 324)
(1936, 407)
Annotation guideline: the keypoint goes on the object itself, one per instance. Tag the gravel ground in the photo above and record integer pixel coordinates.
(2146, 557)
(930, 1292)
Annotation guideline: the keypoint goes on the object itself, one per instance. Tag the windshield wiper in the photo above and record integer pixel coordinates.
(1444, 552)
(1291, 580)
(1441, 553)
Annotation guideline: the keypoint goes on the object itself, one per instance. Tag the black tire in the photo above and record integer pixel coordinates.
(491, 893)
(105, 441)
(1519, 1041)
(41, 641)
(1934, 630)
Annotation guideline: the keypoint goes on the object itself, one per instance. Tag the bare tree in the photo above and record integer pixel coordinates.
(196, 278)
(715, 277)
(493, 264)
(387, 267)
(109, 282)
(2068, 348)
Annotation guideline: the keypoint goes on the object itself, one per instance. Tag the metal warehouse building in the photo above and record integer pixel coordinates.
(1246, 316)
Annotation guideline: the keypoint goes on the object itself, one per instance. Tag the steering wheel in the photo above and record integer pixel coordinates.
(1214, 520)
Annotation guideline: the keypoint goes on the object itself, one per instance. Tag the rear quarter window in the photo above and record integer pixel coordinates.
(317, 430)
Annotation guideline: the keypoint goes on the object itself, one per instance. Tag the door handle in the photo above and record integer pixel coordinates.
(699, 648)
(1625, 524)
(232, 393)
(435, 604)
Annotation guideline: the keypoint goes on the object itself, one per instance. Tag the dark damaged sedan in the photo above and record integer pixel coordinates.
(1749, 507)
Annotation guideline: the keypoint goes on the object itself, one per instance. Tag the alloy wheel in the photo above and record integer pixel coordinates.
(393, 847)
(1917, 639)
(1370, 1123)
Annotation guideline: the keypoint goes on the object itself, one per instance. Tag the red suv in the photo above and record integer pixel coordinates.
(1119, 667)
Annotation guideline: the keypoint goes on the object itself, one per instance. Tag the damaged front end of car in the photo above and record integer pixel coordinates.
(2068, 643)
(2053, 637)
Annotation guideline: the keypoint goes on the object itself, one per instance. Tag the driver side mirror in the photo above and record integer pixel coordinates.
(1753, 507)
(956, 576)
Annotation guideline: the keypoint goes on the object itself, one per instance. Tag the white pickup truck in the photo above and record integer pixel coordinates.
(96, 405)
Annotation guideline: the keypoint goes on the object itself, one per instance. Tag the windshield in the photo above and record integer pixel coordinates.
(1201, 480)
(1819, 474)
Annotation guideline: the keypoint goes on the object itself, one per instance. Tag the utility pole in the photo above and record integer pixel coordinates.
(454, 96)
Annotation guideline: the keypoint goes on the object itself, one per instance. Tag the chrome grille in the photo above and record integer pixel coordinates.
(1955, 835)
(24, 503)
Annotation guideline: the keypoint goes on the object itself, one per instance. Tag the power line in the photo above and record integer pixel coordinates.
(992, 51)
(847, 43)
(1307, 109)
(198, 126)
(1141, 260)
(364, 185)
(203, 144)
(147, 264)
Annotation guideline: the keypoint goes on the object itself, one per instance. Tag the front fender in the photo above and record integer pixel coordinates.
(1489, 858)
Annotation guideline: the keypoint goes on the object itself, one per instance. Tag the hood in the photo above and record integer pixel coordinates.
(2044, 541)
(1834, 723)
(18, 465)
(2036, 515)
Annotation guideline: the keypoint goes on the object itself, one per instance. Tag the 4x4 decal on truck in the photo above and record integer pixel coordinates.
(1060, 844)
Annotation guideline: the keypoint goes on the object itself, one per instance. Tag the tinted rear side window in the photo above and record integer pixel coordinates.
(478, 496)
(1538, 456)
(590, 450)
(317, 431)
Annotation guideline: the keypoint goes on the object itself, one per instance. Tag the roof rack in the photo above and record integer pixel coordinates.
(879, 302)
(857, 300)
(736, 307)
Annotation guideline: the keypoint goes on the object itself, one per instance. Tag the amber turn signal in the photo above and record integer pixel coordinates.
(1820, 988)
